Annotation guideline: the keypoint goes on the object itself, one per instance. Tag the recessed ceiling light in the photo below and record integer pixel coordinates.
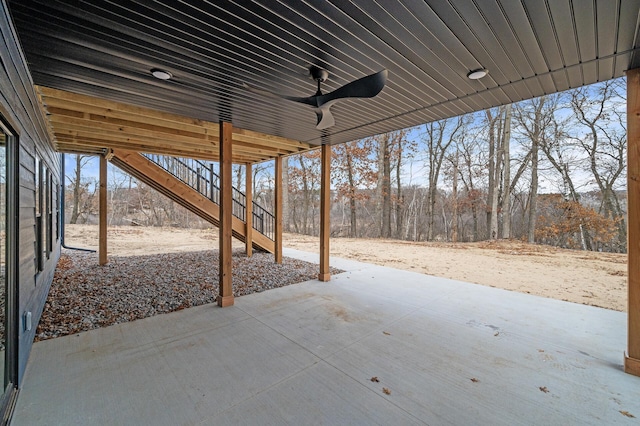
(161, 74)
(477, 74)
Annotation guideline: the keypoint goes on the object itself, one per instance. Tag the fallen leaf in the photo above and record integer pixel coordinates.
(544, 389)
(628, 414)
(474, 380)
(386, 391)
(387, 333)
(375, 379)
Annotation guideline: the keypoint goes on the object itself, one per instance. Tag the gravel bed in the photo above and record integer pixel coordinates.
(86, 296)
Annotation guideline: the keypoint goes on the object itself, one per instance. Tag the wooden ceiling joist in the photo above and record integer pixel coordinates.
(75, 144)
(84, 124)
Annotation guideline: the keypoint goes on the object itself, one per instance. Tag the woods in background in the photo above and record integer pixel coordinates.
(547, 170)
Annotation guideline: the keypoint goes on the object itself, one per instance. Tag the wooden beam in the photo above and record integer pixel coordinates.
(91, 125)
(87, 116)
(61, 115)
(64, 99)
(74, 109)
(70, 149)
(70, 143)
(102, 227)
(325, 208)
(130, 142)
(83, 103)
(632, 359)
(278, 212)
(225, 293)
(137, 131)
(248, 191)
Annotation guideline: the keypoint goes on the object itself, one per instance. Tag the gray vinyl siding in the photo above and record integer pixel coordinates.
(20, 109)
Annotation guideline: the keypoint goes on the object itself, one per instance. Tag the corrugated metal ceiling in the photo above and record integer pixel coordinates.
(530, 47)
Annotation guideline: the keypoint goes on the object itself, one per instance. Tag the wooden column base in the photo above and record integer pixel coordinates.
(324, 277)
(225, 301)
(631, 365)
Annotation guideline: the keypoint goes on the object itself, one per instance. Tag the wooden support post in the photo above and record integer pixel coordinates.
(225, 293)
(632, 359)
(102, 201)
(278, 204)
(249, 210)
(325, 208)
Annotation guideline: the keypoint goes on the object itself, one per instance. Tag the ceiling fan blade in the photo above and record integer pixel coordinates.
(365, 87)
(325, 118)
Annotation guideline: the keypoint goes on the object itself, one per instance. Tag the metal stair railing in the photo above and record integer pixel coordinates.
(201, 177)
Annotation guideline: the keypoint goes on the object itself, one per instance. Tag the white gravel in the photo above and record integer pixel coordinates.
(86, 296)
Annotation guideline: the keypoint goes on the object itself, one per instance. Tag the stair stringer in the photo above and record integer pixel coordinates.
(168, 185)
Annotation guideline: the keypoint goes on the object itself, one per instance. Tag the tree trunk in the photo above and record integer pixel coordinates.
(238, 170)
(399, 195)
(285, 194)
(306, 196)
(495, 171)
(506, 198)
(353, 228)
(431, 212)
(454, 195)
(474, 213)
(492, 162)
(76, 190)
(533, 192)
(493, 225)
(386, 187)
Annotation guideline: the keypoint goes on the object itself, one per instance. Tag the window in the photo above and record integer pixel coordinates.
(8, 265)
(49, 211)
(44, 187)
(57, 207)
(3, 241)
(38, 225)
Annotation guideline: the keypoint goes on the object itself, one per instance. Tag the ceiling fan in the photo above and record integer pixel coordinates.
(365, 87)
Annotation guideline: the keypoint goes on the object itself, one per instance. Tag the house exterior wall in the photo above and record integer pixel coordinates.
(20, 111)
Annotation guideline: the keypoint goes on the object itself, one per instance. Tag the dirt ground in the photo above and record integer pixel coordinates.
(598, 279)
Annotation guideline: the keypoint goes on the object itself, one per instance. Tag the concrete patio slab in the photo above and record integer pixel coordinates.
(443, 352)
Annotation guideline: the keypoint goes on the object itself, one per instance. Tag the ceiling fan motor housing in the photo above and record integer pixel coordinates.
(319, 74)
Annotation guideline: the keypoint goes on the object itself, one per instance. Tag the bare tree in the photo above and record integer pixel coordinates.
(304, 181)
(604, 141)
(82, 196)
(262, 181)
(437, 138)
(118, 205)
(561, 152)
(534, 117)
(403, 149)
(471, 171)
(353, 174)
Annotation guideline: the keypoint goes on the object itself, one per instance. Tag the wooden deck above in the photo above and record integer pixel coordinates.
(84, 124)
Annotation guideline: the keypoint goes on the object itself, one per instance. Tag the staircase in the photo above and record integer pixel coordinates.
(194, 185)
